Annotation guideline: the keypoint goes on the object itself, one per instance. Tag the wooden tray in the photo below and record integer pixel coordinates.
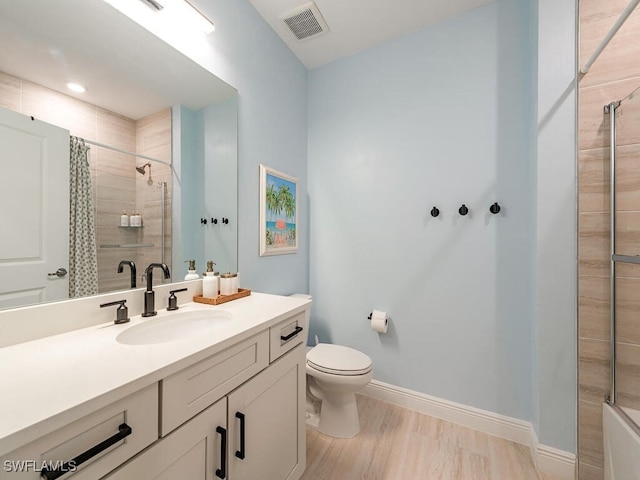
(242, 292)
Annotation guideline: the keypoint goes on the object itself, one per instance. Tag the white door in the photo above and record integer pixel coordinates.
(34, 210)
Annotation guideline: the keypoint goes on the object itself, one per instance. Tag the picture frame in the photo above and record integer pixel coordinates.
(278, 212)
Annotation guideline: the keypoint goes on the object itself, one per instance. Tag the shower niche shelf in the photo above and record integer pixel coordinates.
(128, 245)
(131, 226)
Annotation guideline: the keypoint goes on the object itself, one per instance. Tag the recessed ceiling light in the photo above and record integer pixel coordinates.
(75, 87)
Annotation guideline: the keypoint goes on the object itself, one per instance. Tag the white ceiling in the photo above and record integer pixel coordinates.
(125, 68)
(355, 25)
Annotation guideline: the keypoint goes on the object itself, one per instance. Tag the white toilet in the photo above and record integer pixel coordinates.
(334, 374)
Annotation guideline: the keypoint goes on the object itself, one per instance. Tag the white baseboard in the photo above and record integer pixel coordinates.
(548, 459)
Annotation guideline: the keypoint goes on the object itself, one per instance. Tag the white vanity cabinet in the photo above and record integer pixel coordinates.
(192, 452)
(237, 413)
(256, 432)
(256, 427)
(133, 418)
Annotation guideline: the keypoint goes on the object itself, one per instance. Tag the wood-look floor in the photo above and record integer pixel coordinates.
(399, 444)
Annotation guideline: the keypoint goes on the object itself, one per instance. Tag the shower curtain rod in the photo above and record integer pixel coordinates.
(109, 147)
(616, 26)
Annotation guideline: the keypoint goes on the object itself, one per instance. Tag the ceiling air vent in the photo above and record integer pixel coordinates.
(305, 21)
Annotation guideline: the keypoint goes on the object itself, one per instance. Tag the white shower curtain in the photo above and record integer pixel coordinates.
(83, 263)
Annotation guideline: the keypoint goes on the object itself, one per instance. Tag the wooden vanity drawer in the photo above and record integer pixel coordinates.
(188, 392)
(138, 411)
(286, 335)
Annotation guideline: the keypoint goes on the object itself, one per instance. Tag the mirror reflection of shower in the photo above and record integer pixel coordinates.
(141, 169)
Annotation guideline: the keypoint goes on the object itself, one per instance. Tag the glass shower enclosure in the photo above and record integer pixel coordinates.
(621, 414)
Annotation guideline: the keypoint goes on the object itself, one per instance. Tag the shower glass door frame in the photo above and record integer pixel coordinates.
(616, 258)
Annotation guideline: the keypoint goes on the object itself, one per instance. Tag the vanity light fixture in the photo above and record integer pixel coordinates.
(76, 87)
(182, 11)
(154, 4)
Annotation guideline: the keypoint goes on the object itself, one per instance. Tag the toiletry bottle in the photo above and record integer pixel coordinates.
(210, 282)
(124, 219)
(227, 283)
(236, 283)
(134, 220)
(192, 275)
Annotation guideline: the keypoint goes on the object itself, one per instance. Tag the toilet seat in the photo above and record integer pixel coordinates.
(338, 360)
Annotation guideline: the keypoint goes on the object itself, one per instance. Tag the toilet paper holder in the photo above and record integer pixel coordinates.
(379, 321)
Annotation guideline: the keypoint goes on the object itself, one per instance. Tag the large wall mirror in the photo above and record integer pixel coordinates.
(161, 133)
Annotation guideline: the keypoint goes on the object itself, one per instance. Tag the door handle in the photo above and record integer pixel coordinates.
(61, 272)
(222, 471)
(286, 338)
(241, 453)
(124, 431)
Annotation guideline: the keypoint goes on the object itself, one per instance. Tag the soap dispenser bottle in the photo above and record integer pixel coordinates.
(192, 275)
(124, 219)
(210, 282)
(135, 220)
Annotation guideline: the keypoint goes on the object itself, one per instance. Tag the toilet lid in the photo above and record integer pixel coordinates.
(338, 360)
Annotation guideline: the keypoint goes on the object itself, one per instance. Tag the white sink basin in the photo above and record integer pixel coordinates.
(175, 327)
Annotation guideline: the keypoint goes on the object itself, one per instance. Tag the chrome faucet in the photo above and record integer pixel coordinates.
(149, 295)
(132, 266)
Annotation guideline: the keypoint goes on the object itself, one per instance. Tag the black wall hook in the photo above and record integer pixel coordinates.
(214, 221)
(203, 221)
(225, 220)
(495, 208)
(435, 212)
(463, 210)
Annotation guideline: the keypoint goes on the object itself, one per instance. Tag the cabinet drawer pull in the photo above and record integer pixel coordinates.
(124, 431)
(286, 338)
(240, 453)
(222, 471)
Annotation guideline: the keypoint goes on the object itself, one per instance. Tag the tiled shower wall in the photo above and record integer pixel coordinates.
(613, 76)
(116, 184)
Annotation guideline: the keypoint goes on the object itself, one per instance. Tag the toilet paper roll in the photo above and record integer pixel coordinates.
(379, 321)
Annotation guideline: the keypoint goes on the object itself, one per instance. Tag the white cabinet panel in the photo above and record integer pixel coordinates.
(269, 410)
(138, 411)
(193, 389)
(286, 335)
(192, 452)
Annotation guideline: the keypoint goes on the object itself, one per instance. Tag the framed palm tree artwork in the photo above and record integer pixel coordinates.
(278, 212)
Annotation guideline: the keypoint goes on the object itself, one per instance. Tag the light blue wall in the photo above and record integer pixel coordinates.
(556, 225)
(437, 117)
(188, 189)
(220, 184)
(443, 116)
(205, 186)
(272, 121)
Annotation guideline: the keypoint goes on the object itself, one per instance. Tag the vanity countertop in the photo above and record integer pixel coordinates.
(53, 381)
